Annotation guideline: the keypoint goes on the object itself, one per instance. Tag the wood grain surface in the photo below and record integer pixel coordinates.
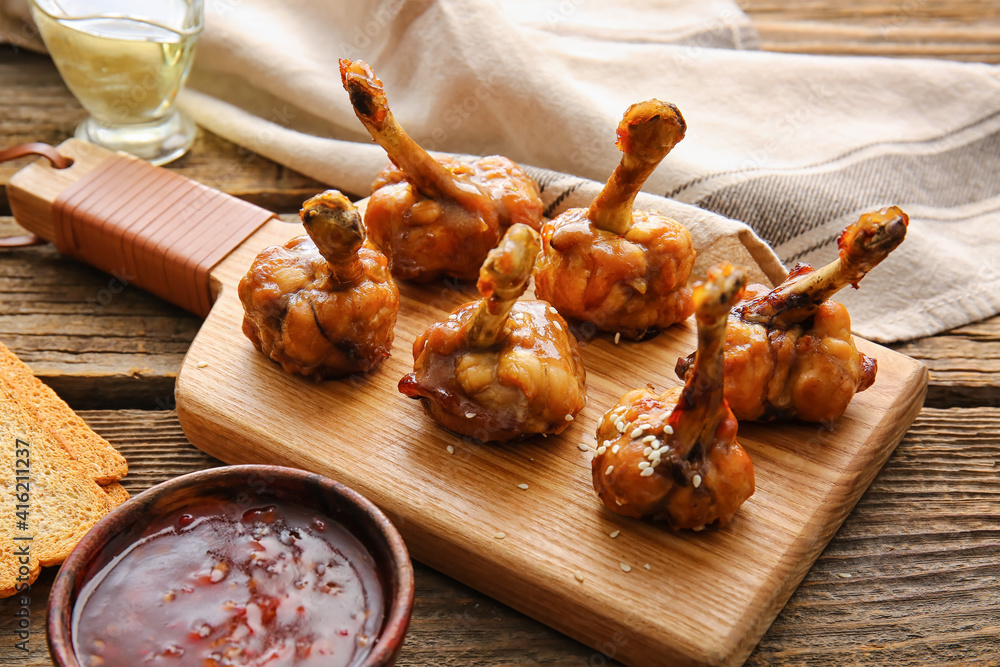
(909, 579)
(953, 29)
(921, 546)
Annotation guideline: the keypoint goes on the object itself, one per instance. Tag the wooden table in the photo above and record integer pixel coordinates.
(913, 576)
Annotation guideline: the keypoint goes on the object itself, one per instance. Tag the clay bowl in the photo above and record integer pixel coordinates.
(248, 486)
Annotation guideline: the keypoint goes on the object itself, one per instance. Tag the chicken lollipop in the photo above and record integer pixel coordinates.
(435, 216)
(674, 456)
(789, 351)
(620, 270)
(322, 305)
(500, 368)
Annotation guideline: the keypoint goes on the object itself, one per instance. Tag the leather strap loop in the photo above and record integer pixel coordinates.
(23, 150)
(37, 148)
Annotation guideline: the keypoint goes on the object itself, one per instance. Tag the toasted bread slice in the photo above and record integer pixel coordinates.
(116, 493)
(59, 421)
(57, 501)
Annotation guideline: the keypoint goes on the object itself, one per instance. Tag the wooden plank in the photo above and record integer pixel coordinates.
(964, 364)
(856, 10)
(964, 30)
(43, 109)
(921, 548)
(957, 43)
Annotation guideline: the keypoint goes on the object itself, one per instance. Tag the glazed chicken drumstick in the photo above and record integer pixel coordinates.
(500, 368)
(323, 305)
(789, 351)
(674, 456)
(435, 216)
(621, 270)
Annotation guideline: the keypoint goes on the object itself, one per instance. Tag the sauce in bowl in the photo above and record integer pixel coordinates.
(217, 586)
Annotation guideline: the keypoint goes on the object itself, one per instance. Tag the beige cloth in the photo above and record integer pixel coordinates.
(795, 146)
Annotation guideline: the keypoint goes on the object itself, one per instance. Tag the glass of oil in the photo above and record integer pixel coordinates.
(125, 62)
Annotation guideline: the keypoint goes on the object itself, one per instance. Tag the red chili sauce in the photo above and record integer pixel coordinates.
(213, 587)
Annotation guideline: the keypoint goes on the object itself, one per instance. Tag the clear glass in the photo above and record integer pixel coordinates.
(125, 61)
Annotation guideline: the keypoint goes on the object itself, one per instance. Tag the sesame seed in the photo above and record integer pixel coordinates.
(636, 432)
(556, 325)
(606, 443)
(470, 415)
(646, 452)
(615, 534)
(620, 425)
(614, 450)
(218, 573)
(568, 418)
(453, 317)
(553, 310)
(618, 337)
(646, 566)
(643, 465)
(655, 454)
(646, 472)
(578, 575)
(698, 529)
(523, 487)
(668, 429)
(626, 567)
(649, 438)
(584, 447)
(608, 471)
(451, 449)
(499, 535)
(696, 481)
(601, 450)
(656, 443)
(202, 364)
(844, 575)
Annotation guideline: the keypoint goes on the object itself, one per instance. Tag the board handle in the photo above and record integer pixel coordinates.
(145, 225)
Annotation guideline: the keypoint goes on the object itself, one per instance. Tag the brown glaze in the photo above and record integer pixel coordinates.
(674, 456)
(789, 351)
(500, 368)
(435, 216)
(621, 270)
(322, 305)
(246, 487)
(633, 284)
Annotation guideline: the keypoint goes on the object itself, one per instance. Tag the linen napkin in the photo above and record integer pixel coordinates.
(794, 146)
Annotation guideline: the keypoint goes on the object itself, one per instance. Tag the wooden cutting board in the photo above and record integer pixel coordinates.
(649, 596)
(706, 598)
